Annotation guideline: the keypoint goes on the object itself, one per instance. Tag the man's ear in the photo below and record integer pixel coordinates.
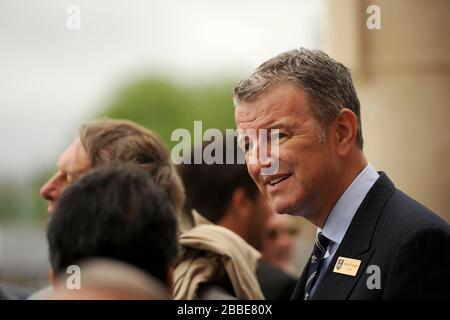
(240, 203)
(346, 125)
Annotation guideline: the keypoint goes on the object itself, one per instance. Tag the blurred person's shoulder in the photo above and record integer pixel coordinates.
(10, 291)
(275, 283)
(109, 279)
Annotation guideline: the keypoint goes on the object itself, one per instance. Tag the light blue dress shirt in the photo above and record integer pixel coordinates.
(342, 214)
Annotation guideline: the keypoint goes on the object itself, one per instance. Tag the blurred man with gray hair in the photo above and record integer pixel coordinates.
(106, 141)
(120, 141)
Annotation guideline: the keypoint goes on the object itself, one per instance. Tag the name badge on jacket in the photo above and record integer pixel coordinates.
(347, 266)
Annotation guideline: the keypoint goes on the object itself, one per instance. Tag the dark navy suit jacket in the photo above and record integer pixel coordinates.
(409, 243)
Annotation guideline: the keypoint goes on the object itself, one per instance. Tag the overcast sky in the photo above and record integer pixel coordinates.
(52, 78)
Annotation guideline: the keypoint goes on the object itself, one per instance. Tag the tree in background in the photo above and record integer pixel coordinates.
(164, 106)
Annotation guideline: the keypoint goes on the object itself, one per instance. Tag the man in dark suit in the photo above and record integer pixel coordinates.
(373, 241)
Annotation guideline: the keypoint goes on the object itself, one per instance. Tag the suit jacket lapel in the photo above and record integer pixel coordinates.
(356, 243)
(299, 290)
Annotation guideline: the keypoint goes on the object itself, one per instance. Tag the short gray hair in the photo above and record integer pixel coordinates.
(327, 84)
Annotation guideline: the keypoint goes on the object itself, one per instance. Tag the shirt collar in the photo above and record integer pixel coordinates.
(342, 214)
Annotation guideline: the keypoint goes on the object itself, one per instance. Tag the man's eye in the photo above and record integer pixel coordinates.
(248, 146)
(279, 136)
(69, 178)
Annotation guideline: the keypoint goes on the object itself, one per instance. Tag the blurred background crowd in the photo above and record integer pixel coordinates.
(166, 64)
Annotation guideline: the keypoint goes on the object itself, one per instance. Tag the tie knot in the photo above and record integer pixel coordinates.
(322, 242)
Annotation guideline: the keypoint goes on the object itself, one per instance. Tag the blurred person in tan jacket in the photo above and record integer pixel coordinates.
(229, 229)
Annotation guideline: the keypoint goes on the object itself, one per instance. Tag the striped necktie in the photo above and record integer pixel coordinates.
(320, 247)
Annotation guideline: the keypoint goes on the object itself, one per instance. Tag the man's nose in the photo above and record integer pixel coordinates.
(50, 190)
(257, 162)
(285, 239)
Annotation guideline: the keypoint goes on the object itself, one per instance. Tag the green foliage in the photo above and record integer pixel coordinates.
(163, 106)
(22, 202)
(8, 202)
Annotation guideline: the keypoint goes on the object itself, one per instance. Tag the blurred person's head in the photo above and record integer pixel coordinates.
(278, 242)
(311, 100)
(105, 279)
(116, 212)
(104, 141)
(226, 195)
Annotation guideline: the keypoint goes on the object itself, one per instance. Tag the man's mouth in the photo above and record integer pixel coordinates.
(276, 180)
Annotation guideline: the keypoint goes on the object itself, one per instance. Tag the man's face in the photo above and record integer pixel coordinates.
(71, 164)
(278, 240)
(306, 165)
(260, 213)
